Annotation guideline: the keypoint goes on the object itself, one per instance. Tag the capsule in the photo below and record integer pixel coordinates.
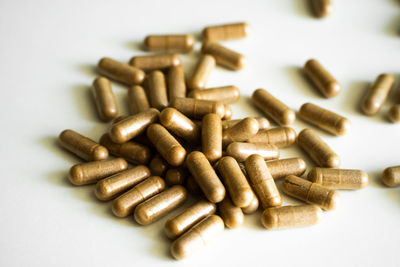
(205, 176)
(91, 172)
(263, 123)
(321, 8)
(280, 136)
(338, 178)
(182, 222)
(112, 186)
(104, 98)
(224, 94)
(242, 131)
(291, 216)
(176, 176)
(192, 186)
(241, 151)
(137, 99)
(394, 113)
(232, 215)
(262, 182)
(158, 166)
(317, 149)
(321, 78)
(211, 137)
(155, 62)
(171, 42)
(391, 176)
(377, 94)
(125, 204)
(253, 206)
(227, 112)
(280, 168)
(226, 32)
(324, 119)
(120, 72)
(176, 82)
(272, 107)
(224, 56)
(157, 90)
(82, 146)
(196, 109)
(133, 126)
(201, 72)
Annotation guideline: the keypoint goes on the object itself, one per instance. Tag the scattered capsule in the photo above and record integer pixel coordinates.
(391, 176)
(241, 151)
(224, 56)
(201, 72)
(263, 123)
(137, 100)
(157, 89)
(280, 136)
(176, 82)
(196, 109)
(321, 8)
(338, 178)
(280, 168)
(242, 131)
(224, 94)
(394, 113)
(173, 42)
(120, 72)
(176, 176)
(232, 215)
(377, 94)
(227, 112)
(104, 98)
(158, 166)
(211, 137)
(155, 62)
(226, 32)
(253, 206)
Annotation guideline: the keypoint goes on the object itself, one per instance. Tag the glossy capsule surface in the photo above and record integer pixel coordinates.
(279, 136)
(241, 151)
(291, 216)
(176, 82)
(202, 71)
(280, 168)
(157, 90)
(104, 98)
(338, 178)
(137, 99)
(175, 176)
(155, 62)
(226, 32)
(321, 79)
(224, 56)
(224, 94)
(321, 8)
(169, 42)
(232, 215)
(263, 123)
(377, 94)
(196, 108)
(211, 137)
(158, 165)
(394, 113)
(120, 71)
(391, 176)
(242, 131)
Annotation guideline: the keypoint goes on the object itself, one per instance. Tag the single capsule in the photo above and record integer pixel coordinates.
(321, 8)
(176, 82)
(291, 216)
(125, 204)
(394, 113)
(224, 94)
(279, 136)
(272, 107)
(192, 186)
(263, 123)
(112, 186)
(309, 192)
(104, 98)
(317, 149)
(253, 206)
(224, 56)
(211, 137)
(82, 146)
(159, 205)
(171, 42)
(338, 178)
(280, 168)
(227, 112)
(137, 99)
(201, 72)
(377, 94)
(241, 151)
(241, 131)
(324, 119)
(391, 176)
(226, 32)
(155, 62)
(232, 215)
(321, 78)
(91, 172)
(157, 89)
(120, 72)
(176, 176)
(196, 109)
(158, 165)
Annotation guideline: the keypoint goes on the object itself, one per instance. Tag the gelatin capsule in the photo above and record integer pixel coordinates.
(226, 32)
(176, 176)
(242, 131)
(391, 176)
(155, 62)
(158, 165)
(211, 137)
(224, 94)
(227, 112)
(120, 72)
(202, 71)
(241, 151)
(253, 206)
(104, 98)
(176, 82)
(377, 94)
(280, 136)
(170, 42)
(224, 56)
(157, 89)
(263, 123)
(196, 109)
(394, 113)
(338, 178)
(280, 168)
(137, 99)
(232, 215)
(291, 216)
(321, 8)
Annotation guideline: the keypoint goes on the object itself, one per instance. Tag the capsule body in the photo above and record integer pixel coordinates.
(155, 62)
(280, 168)
(104, 98)
(242, 131)
(211, 137)
(377, 94)
(120, 72)
(176, 176)
(201, 72)
(263, 123)
(280, 136)
(321, 8)
(226, 32)
(224, 94)
(227, 112)
(224, 56)
(137, 100)
(391, 176)
(172, 42)
(232, 215)
(291, 216)
(196, 109)
(253, 206)
(241, 151)
(394, 113)
(157, 90)
(176, 82)
(338, 178)
(158, 165)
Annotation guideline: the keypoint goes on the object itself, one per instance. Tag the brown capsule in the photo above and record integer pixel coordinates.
(321, 8)
(182, 222)
(171, 42)
(280, 136)
(82, 146)
(280, 168)
(176, 82)
(377, 94)
(125, 204)
(291, 216)
(226, 32)
(241, 151)
(192, 186)
(132, 126)
(196, 109)
(272, 107)
(263, 123)
(391, 176)
(321, 78)
(120, 72)
(232, 215)
(242, 131)
(317, 149)
(338, 178)
(211, 137)
(159, 205)
(137, 99)
(253, 206)
(224, 56)
(176, 176)
(205, 176)
(158, 166)
(155, 62)
(91, 172)
(104, 98)
(227, 112)
(119, 118)
(262, 182)
(157, 90)
(112, 186)
(168, 147)
(394, 113)
(224, 94)
(201, 72)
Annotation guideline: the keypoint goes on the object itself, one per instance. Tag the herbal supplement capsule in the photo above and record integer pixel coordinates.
(391, 176)
(205, 176)
(180, 125)
(157, 90)
(224, 56)
(155, 62)
(192, 186)
(291, 216)
(272, 107)
(110, 187)
(227, 112)
(224, 94)
(321, 78)
(253, 206)
(82, 146)
(262, 181)
(201, 72)
(263, 123)
(120, 72)
(91, 172)
(241, 151)
(377, 94)
(338, 178)
(280, 136)
(232, 215)
(168, 147)
(241, 131)
(132, 126)
(171, 42)
(317, 149)
(211, 137)
(176, 82)
(182, 222)
(137, 99)
(196, 109)
(125, 204)
(321, 8)
(236, 183)
(226, 32)
(158, 166)
(104, 98)
(280, 168)
(176, 176)
(394, 113)
(159, 205)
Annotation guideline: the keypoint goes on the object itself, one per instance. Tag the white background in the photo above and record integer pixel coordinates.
(48, 51)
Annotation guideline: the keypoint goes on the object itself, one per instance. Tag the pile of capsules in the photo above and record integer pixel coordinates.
(182, 132)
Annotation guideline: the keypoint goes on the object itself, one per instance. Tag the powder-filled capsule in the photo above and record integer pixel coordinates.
(158, 165)
(176, 176)
(226, 32)
(263, 123)
(201, 72)
(279, 136)
(211, 137)
(242, 131)
(321, 8)
(155, 62)
(224, 56)
(227, 112)
(170, 42)
(280, 168)
(104, 98)
(377, 94)
(157, 89)
(338, 178)
(224, 94)
(120, 71)
(196, 109)
(253, 206)
(391, 176)
(137, 99)
(232, 215)
(394, 113)
(176, 82)
(241, 151)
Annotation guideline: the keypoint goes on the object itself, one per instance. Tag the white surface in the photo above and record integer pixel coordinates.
(47, 53)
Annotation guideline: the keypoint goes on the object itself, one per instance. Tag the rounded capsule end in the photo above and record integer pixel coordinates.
(343, 126)
(332, 161)
(102, 191)
(364, 179)
(100, 153)
(332, 89)
(76, 175)
(269, 220)
(333, 200)
(389, 177)
(176, 156)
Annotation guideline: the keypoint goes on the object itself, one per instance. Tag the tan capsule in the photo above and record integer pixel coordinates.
(253, 206)
(262, 182)
(137, 99)
(394, 113)
(241, 151)
(112, 186)
(291, 216)
(104, 98)
(196, 109)
(338, 178)
(224, 56)
(227, 112)
(224, 94)
(391, 176)
(168, 147)
(133, 126)
(176, 176)
(263, 123)
(272, 107)
(205, 176)
(317, 149)
(120, 72)
(180, 125)
(157, 89)
(321, 78)
(159, 205)
(280, 136)
(232, 215)
(158, 165)
(155, 62)
(321, 8)
(119, 118)
(125, 204)
(280, 168)
(377, 94)
(82, 146)
(176, 82)
(242, 131)
(171, 42)
(226, 32)
(91, 172)
(211, 137)
(182, 222)
(192, 186)
(201, 72)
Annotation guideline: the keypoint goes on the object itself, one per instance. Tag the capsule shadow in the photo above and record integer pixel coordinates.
(50, 143)
(59, 178)
(394, 194)
(356, 92)
(136, 46)
(253, 220)
(375, 179)
(393, 27)
(303, 8)
(88, 69)
(301, 82)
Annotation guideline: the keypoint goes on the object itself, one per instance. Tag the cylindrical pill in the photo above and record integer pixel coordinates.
(227, 112)
(280, 168)
(201, 72)
(224, 94)
(104, 98)
(211, 137)
(158, 165)
(263, 123)
(242, 131)
(279, 136)
(291, 216)
(253, 206)
(394, 113)
(176, 176)
(157, 89)
(232, 215)
(155, 62)
(377, 94)
(137, 99)
(120, 72)
(224, 56)
(226, 32)
(241, 151)
(321, 8)
(196, 109)
(176, 82)
(171, 42)
(391, 176)
(338, 178)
